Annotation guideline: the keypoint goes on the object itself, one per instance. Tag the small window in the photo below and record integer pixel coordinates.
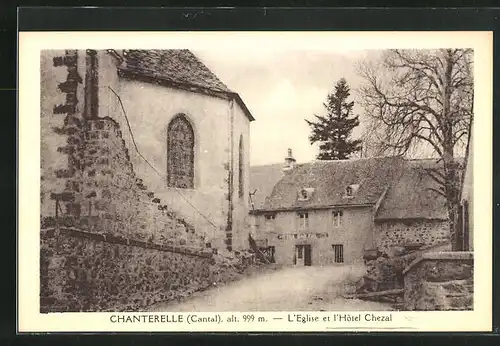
(270, 221)
(351, 190)
(337, 216)
(348, 191)
(338, 250)
(305, 194)
(303, 220)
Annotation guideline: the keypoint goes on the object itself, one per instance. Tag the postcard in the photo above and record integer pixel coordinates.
(255, 181)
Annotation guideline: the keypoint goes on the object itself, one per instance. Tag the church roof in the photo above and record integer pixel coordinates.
(178, 68)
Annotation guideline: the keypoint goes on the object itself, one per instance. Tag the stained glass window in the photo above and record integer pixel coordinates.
(180, 153)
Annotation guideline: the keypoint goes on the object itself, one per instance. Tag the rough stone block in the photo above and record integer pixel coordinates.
(63, 196)
(453, 287)
(64, 109)
(64, 173)
(447, 270)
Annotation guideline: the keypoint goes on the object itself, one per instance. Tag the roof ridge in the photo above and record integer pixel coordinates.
(267, 165)
(356, 159)
(326, 161)
(200, 61)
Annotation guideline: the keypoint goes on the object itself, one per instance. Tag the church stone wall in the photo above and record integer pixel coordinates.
(83, 271)
(149, 108)
(115, 244)
(95, 183)
(59, 112)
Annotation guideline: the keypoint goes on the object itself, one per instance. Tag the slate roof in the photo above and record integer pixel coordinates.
(262, 181)
(411, 197)
(178, 67)
(329, 179)
(401, 186)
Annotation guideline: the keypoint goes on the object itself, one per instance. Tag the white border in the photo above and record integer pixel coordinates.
(30, 45)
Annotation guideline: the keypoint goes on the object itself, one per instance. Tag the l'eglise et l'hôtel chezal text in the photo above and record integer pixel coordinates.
(346, 317)
(368, 317)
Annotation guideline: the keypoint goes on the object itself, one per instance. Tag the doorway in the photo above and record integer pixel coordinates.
(302, 255)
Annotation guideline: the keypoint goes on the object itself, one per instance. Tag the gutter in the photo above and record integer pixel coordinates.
(261, 211)
(403, 219)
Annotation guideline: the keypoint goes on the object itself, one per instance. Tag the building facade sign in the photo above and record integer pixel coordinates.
(288, 236)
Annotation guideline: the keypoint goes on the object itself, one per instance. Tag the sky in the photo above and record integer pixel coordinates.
(281, 88)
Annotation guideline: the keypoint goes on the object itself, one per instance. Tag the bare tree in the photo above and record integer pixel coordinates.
(419, 100)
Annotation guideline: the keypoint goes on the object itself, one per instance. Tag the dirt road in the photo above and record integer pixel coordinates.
(288, 289)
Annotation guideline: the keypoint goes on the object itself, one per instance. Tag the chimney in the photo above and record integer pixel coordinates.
(289, 161)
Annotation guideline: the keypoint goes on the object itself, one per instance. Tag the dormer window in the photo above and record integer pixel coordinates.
(351, 190)
(305, 194)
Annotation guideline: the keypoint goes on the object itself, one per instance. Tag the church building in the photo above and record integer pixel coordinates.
(186, 133)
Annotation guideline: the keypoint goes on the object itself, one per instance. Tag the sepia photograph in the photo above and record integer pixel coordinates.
(149, 195)
(203, 179)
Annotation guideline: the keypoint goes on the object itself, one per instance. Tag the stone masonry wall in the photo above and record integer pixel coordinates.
(440, 281)
(399, 233)
(107, 197)
(83, 271)
(61, 100)
(101, 190)
(123, 248)
(384, 271)
(120, 201)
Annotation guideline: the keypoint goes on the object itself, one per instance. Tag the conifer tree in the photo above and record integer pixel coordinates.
(333, 130)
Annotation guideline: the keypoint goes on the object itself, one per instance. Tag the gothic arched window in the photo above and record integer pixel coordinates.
(180, 153)
(241, 187)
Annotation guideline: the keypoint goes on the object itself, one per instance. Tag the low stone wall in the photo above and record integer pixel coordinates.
(440, 281)
(384, 271)
(86, 271)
